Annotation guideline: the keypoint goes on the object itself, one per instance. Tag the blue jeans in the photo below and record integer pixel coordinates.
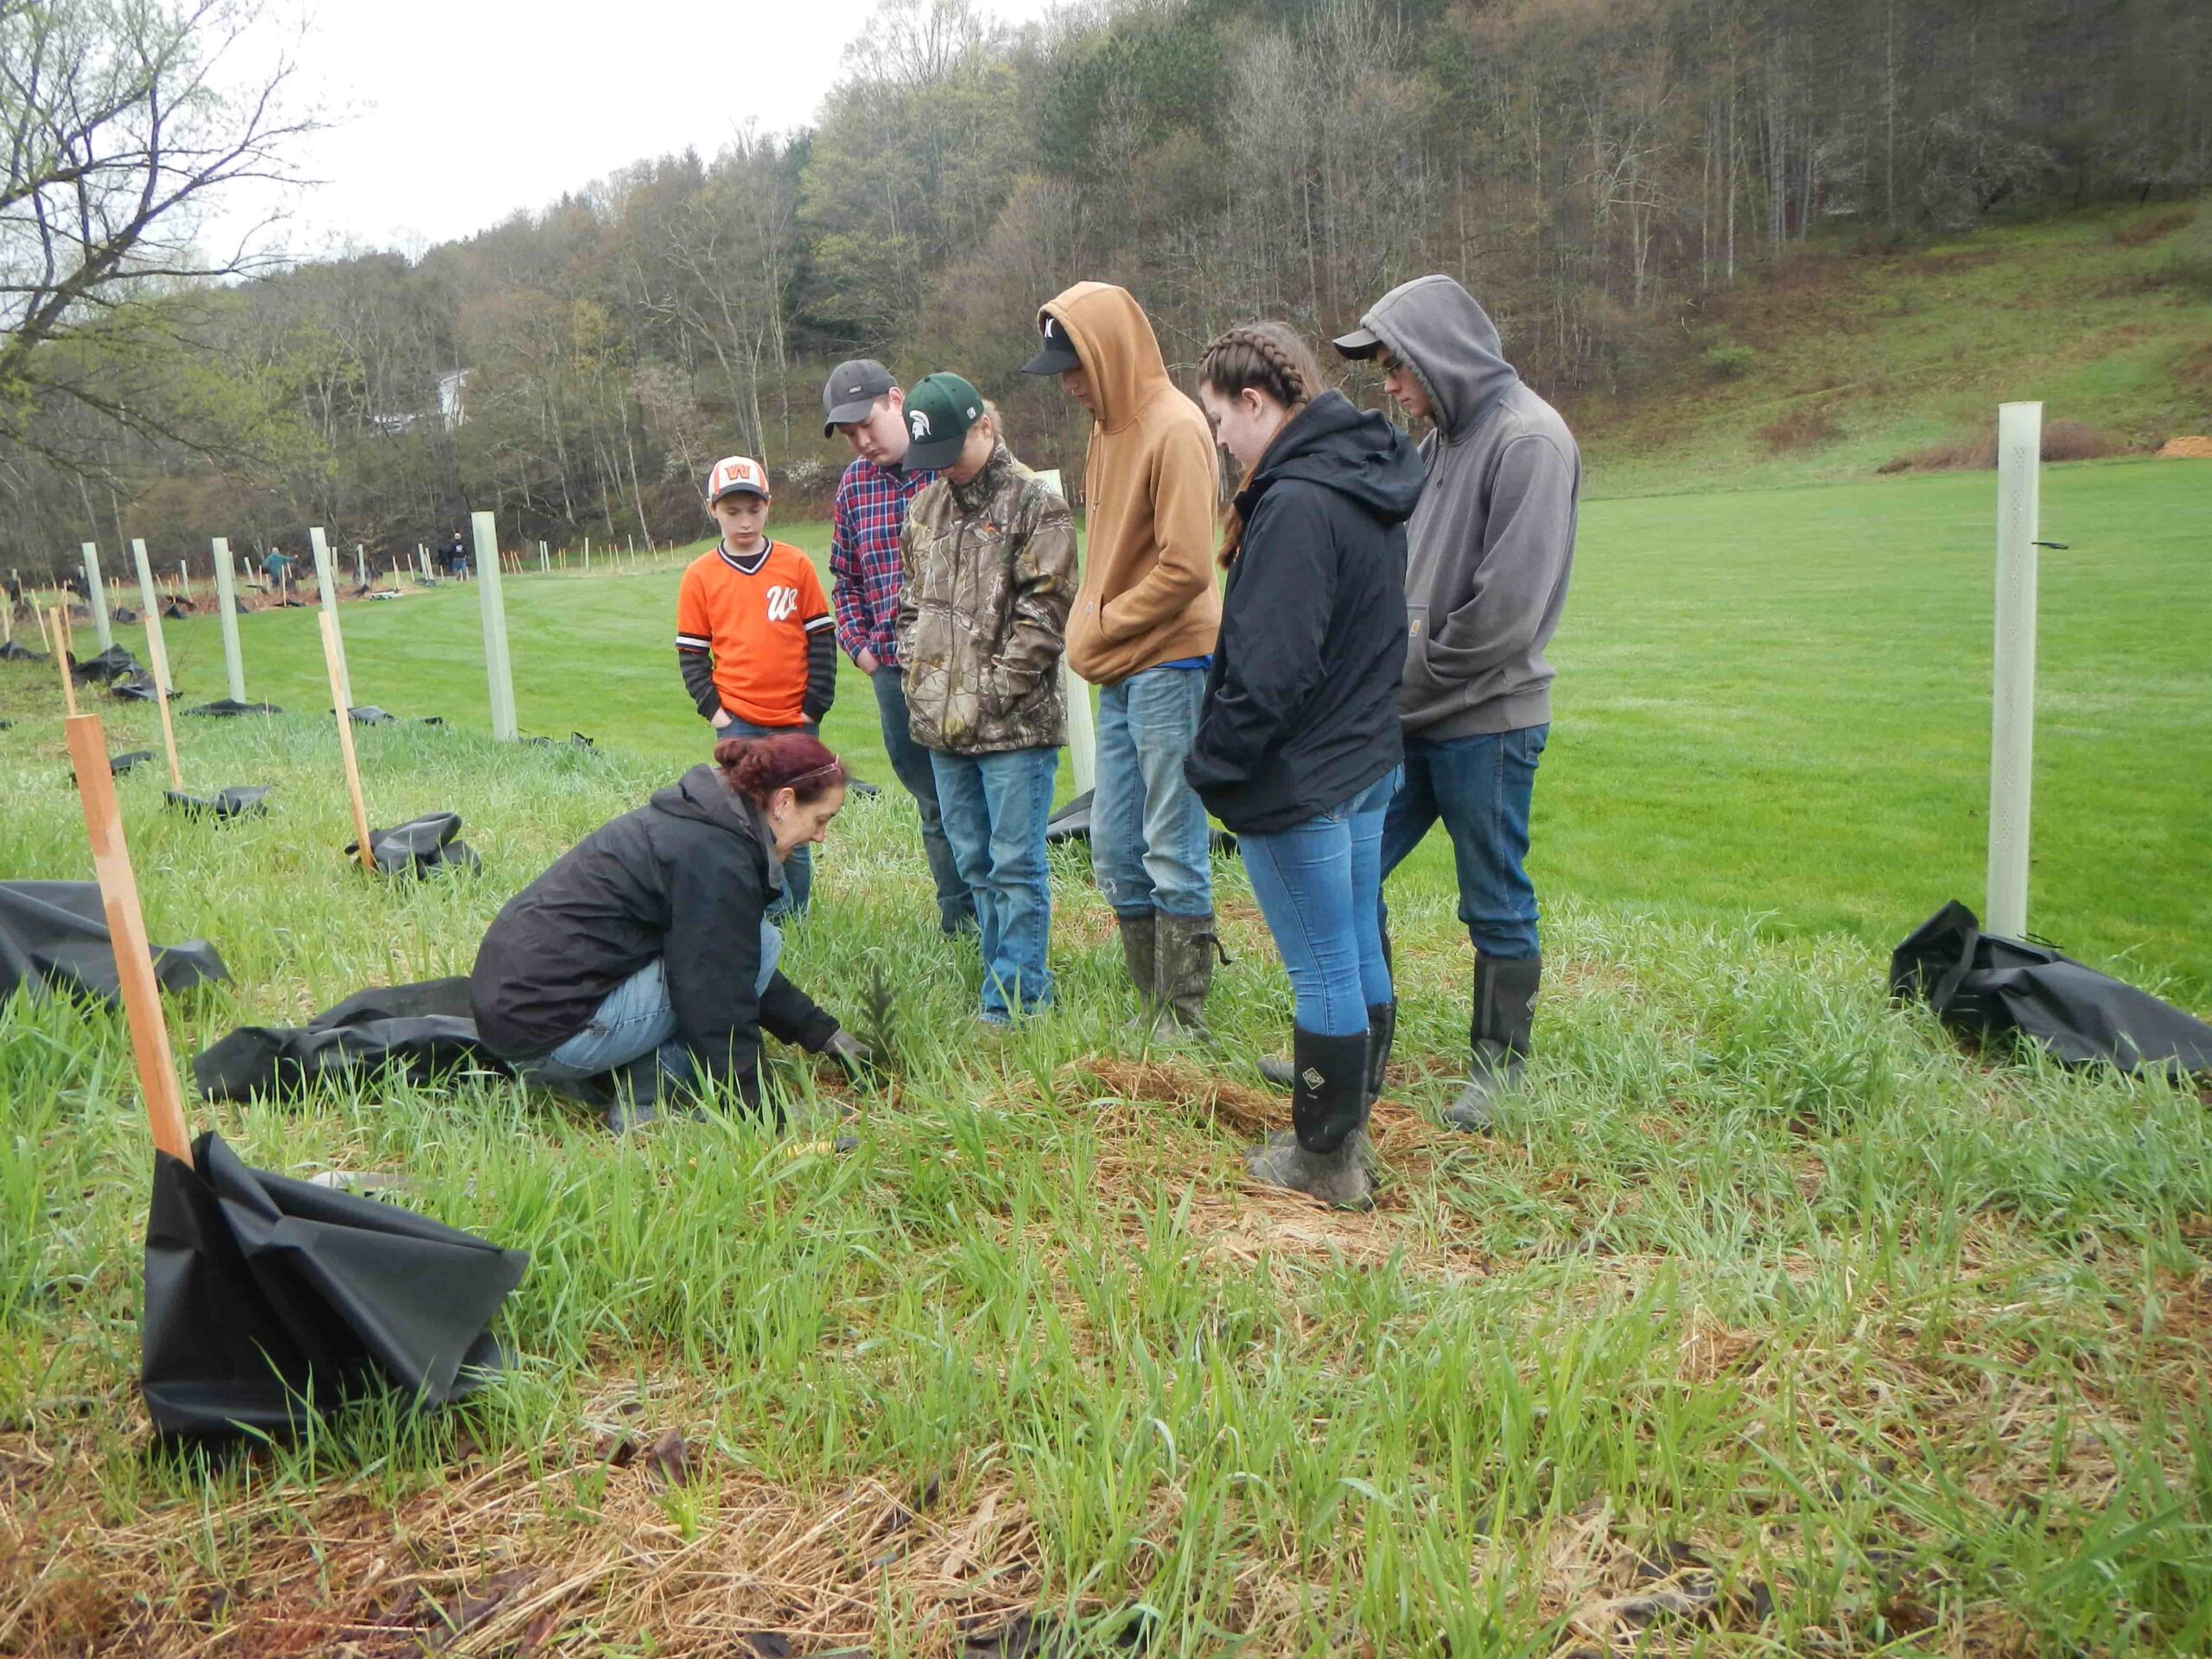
(1319, 885)
(955, 905)
(1481, 787)
(798, 868)
(637, 1017)
(995, 809)
(1148, 835)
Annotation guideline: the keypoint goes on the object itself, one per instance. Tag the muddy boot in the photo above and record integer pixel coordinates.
(1140, 955)
(633, 1092)
(1505, 1012)
(1325, 1156)
(1187, 946)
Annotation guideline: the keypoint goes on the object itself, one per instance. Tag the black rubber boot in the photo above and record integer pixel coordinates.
(1325, 1156)
(1283, 1074)
(1381, 1030)
(1140, 955)
(1505, 1014)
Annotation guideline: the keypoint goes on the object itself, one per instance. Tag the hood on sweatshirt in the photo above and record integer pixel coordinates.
(1120, 353)
(1353, 451)
(700, 794)
(1435, 326)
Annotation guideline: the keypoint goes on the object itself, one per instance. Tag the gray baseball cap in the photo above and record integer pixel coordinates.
(851, 390)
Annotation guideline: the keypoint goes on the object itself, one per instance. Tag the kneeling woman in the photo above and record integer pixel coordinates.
(645, 956)
(1297, 747)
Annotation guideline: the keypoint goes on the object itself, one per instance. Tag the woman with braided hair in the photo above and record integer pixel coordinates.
(1298, 747)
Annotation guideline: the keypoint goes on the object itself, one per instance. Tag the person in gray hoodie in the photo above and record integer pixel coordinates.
(1488, 553)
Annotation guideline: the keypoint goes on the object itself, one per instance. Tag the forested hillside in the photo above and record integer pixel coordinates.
(1618, 181)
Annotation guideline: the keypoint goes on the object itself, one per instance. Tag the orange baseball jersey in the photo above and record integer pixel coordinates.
(754, 616)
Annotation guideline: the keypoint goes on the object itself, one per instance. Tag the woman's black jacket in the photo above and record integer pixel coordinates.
(1302, 708)
(684, 878)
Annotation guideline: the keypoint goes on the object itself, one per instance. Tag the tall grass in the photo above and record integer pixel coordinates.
(1767, 1322)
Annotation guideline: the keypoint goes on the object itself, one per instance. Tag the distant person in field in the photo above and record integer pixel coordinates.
(860, 401)
(754, 634)
(1297, 749)
(1489, 551)
(277, 571)
(644, 960)
(989, 555)
(452, 557)
(1142, 632)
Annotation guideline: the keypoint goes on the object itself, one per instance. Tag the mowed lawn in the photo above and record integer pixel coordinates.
(1771, 704)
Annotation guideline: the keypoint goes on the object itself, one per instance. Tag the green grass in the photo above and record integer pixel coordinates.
(2089, 313)
(1769, 1323)
(1771, 704)
(1875, 1346)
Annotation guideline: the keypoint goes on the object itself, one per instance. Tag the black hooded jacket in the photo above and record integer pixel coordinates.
(1301, 709)
(685, 879)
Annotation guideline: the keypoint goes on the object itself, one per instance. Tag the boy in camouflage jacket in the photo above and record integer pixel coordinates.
(989, 555)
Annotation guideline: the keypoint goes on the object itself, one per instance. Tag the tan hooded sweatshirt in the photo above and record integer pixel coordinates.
(1151, 489)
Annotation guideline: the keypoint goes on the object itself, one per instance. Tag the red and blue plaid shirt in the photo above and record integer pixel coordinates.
(869, 512)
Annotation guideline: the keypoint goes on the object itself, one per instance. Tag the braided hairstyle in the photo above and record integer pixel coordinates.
(1268, 357)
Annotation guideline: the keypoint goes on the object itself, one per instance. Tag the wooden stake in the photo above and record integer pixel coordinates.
(329, 625)
(126, 929)
(60, 649)
(159, 652)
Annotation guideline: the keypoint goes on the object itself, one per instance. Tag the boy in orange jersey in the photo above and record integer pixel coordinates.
(753, 633)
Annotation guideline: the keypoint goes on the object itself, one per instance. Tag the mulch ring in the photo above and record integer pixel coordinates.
(1252, 1219)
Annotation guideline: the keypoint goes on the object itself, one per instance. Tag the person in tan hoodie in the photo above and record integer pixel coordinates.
(1143, 631)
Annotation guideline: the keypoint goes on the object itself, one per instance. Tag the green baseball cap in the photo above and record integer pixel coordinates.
(940, 408)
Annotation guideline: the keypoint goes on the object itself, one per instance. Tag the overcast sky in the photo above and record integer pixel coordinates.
(448, 115)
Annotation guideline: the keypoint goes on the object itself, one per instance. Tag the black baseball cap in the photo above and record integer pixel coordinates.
(851, 390)
(939, 410)
(1361, 342)
(1058, 353)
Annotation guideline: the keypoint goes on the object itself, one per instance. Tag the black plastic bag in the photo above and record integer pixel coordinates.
(1984, 986)
(55, 933)
(419, 847)
(236, 802)
(139, 687)
(269, 1300)
(14, 650)
(119, 763)
(425, 1032)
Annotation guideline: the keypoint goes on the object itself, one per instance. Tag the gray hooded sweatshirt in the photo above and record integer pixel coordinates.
(1488, 548)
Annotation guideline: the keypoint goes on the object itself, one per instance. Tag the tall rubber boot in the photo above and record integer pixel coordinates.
(1381, 1031)
(1325, 1156)
(1505, 1014)
(1187, 949)
(1140, 955)
(1282, 1073)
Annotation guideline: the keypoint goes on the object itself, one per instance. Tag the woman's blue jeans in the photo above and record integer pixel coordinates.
(1319, 885)
(637, 1017)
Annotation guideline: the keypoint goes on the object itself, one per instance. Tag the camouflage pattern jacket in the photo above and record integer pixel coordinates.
(983, 620)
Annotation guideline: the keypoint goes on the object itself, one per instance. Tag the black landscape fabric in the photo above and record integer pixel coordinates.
(13, 651)
(119, 763)
(269, 1299)
(227, 707)
(419, 1033)
(236, 802)
(113, 663)
(421, 846)
(136, 688)
(55, 933)
(1984, 986)
(1072, 823)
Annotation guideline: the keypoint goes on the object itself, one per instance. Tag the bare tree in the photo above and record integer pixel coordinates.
(123, 120)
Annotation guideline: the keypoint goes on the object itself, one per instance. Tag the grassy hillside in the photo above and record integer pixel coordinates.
(1834, 365)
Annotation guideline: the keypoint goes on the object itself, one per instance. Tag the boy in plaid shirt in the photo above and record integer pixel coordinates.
(861, 401)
